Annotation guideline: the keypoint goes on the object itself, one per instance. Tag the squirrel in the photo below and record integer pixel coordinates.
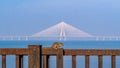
(57, 45)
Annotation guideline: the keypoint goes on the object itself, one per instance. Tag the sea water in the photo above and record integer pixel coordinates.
(67, 59)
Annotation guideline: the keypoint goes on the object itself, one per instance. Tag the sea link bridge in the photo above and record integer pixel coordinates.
(39, 57)
(61, 31)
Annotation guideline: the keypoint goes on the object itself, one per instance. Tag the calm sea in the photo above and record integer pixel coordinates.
(67, 45)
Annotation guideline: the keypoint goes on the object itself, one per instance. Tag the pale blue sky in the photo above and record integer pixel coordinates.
(26, 17)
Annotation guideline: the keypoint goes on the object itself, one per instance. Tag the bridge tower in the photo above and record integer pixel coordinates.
(62, 31)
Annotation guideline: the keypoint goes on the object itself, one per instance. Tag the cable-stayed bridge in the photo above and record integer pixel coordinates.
(61, 31)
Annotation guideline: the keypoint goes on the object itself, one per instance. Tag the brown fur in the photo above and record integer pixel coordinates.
(57, 45)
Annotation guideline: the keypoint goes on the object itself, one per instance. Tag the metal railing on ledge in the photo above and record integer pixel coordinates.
(39, 57)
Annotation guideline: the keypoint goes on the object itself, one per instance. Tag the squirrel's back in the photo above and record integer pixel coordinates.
(57, 45)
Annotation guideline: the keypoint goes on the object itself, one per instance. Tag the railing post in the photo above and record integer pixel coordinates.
(3, 61)
(100, 64)
(87, 61)
(19, 61)
(73, 61)
(46, 60)
(113, 59)
(59, 58)
(34, 56)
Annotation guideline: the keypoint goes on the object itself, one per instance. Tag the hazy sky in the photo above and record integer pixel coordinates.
(26, 17)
